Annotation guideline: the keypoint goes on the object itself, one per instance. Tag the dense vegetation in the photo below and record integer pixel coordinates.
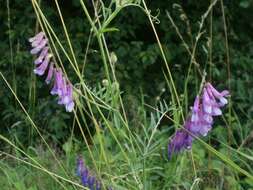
(136, 68)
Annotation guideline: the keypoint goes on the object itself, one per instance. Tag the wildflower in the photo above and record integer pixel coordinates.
(87, 179)
(62, 87)
(200, 122)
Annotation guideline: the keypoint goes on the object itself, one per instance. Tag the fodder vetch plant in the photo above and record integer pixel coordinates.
(110, 145)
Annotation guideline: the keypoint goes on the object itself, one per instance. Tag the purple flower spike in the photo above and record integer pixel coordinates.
(56, 90)
(82, 171)
(65, 92)
(195, 110)
(68, 94)
(37, 41)
(62, 90)
(84, 177)
(68, 98)
(55, 87)
(200, 122)
(88, 180)
(207, 102)
(62, 87)
(205, 129)
(216, 111)
(70, 106)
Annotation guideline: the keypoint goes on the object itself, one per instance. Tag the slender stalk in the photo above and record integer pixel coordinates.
(99, 40)
(163, 55)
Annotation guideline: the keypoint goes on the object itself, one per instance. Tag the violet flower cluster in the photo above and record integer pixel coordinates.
(87, 179)
(206, 106)
(62, 86)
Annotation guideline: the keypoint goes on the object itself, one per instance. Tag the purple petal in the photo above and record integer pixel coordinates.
(196, 104)
(42, 55)
(55, 87)
(42, 68)
(50, 73)
(225, 93)
(37, 36)
(39, 47)
(180, 141)
(70, 106)
(207, 103)
(219, 95)
(57, 81)
(91, 181)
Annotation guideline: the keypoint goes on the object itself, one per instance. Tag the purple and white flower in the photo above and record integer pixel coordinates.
(200, 122)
